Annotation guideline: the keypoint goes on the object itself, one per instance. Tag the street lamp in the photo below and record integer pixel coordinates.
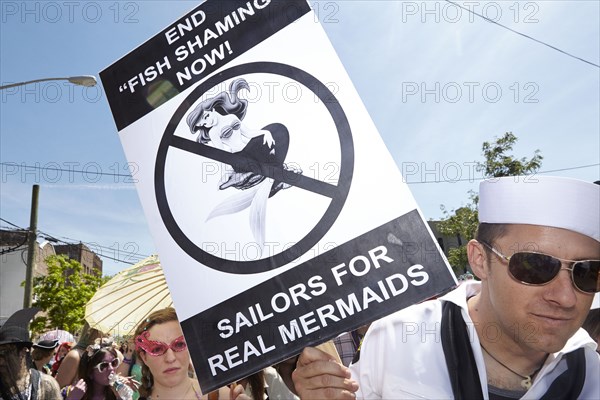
(83, 80)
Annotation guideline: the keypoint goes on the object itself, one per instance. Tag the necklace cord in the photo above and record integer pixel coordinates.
(527, 379)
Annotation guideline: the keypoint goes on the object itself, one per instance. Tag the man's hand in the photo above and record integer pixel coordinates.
(319, 376)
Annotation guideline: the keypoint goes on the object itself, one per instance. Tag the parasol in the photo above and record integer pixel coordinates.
(58, 334)
(128, 298)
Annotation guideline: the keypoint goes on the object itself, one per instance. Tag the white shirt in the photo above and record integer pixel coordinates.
(402, 357)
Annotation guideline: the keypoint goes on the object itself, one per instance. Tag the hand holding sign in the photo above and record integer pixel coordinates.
(319, 376)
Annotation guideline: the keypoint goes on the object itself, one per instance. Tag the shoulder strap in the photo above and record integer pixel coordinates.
(459, 354)
(569, 384)
(35, 383)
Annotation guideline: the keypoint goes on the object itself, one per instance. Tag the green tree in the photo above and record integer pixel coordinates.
(63, 294)
(498, 163)
(463, 221)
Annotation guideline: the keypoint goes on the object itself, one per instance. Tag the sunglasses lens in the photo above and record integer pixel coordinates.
(103, 366)
(586, 275)
(533, 268)
(158, 349)
(179, 345)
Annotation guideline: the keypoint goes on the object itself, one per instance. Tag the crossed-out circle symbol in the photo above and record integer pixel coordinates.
(337, 193)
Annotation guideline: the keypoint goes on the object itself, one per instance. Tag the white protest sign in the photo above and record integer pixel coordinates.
(279, 215)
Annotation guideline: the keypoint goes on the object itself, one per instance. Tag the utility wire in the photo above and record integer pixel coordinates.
(11, 224)
(472, 179)
(52, 237)
(15, 248)
(90, 245)
(409, 183)
(524, 35)
(22, 165)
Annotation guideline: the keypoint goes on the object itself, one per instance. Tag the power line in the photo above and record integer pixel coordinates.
(473, 179)
(15, 248)
(568, 169)
(93, 245)
(23, 165)
(11, 224)
(409, 183)
(524, 35)
(74, 242)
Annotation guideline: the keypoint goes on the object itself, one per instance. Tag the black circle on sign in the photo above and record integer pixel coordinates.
(338, 198)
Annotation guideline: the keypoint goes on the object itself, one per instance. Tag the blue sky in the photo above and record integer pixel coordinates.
(436, 81)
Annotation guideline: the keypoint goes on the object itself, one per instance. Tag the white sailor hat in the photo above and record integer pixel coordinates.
(542, 200)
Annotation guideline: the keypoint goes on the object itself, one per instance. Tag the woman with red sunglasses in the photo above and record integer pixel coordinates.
(166, 365)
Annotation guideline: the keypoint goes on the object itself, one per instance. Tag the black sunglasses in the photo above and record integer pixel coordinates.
(539, 269)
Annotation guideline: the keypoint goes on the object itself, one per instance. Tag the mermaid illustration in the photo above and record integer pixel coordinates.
(218, 121)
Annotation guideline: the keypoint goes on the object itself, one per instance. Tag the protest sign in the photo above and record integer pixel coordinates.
(279, 215)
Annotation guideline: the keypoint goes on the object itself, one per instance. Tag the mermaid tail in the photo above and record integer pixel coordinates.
(258, 212)
(256, 198)
(238, 202)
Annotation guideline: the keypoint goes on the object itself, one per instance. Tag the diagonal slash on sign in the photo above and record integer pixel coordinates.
(336, 193)
(251, 165)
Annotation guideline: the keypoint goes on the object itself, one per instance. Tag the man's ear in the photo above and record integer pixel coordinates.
(477, 259)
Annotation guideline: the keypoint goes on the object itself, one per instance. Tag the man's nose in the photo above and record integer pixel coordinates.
(562, 290)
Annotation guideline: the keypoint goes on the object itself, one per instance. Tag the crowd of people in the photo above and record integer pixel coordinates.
(155, 364)
(522, 329)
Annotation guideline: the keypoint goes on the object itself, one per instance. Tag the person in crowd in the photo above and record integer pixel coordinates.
(17, 380)
(262, 385)
(61, 352)
(97, 363)
(348, 343)
(165, 359)
(515, 334)
(275, 383)
(67, 372)
(42, 353)
(279, 380)
(254, 386)
(131, 365)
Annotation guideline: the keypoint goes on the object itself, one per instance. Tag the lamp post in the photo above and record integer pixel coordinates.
(83, 80)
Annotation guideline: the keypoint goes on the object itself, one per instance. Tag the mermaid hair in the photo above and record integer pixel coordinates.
(224, 103)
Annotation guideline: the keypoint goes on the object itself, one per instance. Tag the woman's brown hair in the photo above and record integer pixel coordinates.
(157, 317)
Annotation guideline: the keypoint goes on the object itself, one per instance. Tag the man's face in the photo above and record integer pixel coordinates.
(543, 317)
